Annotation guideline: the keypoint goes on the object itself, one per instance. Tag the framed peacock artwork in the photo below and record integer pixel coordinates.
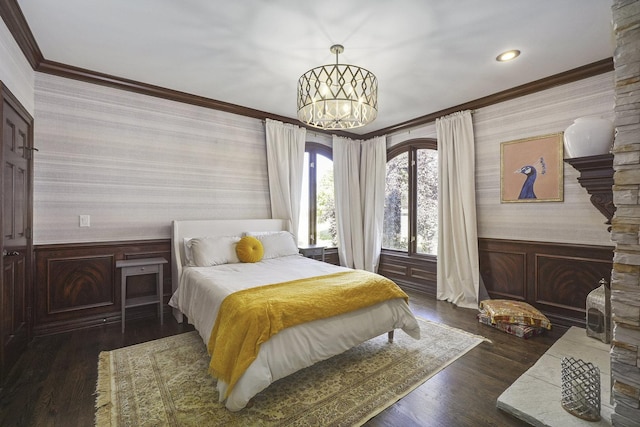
(531, 170)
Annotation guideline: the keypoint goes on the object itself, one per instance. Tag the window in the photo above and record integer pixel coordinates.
(317, 207)
(411, 198)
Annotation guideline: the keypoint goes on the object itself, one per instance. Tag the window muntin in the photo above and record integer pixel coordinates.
(396, 204)
(411, 198)
(317, 221)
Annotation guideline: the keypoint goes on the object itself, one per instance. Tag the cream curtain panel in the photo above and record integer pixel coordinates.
(359, 169)
(458, 277)
(285, 163)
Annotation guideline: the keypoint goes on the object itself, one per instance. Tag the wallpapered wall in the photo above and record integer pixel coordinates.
(134, 163)
(573, 220)
(15, 71)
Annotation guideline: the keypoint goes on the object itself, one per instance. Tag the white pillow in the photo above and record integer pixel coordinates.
(188, 254)
(210, 251)
(275, 243)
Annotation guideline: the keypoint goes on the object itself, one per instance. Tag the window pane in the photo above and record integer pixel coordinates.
(325, 205)
(427, 202)
(396, 204)
(303, 223)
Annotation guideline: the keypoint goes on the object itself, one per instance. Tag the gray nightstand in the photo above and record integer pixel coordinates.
(137, 267)
(313, 251)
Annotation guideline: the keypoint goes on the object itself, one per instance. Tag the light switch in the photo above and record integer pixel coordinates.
(85, 220)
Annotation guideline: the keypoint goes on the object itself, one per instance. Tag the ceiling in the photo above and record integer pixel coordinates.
(428, 55)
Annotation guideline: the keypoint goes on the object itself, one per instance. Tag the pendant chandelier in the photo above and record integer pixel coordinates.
(337, 96)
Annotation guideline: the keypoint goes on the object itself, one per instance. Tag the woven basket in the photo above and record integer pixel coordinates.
(581, 388)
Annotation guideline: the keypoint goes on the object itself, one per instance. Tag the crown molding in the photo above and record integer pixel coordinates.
(17, 24)
(81, 74)
(589, 70)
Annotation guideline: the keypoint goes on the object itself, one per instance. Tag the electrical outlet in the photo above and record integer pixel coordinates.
(85, 220)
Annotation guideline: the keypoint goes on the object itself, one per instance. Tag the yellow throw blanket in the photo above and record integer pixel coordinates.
(250, 317)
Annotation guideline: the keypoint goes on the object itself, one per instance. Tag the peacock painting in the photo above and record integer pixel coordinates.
(531, 169)
(531, 173)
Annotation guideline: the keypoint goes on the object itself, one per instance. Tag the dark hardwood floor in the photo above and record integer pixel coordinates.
(465, 393)
(53, 383)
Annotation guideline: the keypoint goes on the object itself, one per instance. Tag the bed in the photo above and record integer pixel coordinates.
(199, 292)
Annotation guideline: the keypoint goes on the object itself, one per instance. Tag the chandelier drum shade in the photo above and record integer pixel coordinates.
(337, 96)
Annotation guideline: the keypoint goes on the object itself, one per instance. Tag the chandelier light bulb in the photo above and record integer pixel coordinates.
(337, 96)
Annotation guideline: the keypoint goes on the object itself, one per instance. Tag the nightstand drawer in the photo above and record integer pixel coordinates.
(146, 269)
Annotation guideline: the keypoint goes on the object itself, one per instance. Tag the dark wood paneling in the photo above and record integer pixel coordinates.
(553, 277)
(507, 271)
(77, 285)
(417, 273)
(563, 282)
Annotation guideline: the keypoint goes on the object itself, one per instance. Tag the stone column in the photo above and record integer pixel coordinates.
(625, 232)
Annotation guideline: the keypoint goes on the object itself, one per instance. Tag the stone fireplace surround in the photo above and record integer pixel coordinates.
(625, 232)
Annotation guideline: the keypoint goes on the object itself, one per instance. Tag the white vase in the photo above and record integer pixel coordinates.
(588, 136)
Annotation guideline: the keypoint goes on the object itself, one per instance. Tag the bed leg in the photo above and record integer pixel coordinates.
(390, 334)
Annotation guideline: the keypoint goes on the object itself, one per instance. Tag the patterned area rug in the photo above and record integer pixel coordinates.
(165, 382)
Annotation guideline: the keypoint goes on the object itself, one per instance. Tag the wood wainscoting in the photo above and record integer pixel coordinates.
(77, 285)
(417, 273)
(553, 277)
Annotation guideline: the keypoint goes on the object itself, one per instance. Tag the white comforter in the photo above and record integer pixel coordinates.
(202, 289)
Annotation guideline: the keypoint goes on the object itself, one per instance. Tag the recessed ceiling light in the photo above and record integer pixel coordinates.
(508, 55)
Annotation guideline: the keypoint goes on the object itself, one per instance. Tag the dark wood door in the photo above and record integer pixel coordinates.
(16, 235)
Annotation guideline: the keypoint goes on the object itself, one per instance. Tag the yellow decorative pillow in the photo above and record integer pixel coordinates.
(249, 249)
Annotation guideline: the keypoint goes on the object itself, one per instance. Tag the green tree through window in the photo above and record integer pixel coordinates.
(396, 204)
(411, 198)
(326, 232)
(317, 208)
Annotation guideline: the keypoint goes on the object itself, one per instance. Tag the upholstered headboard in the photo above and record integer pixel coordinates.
(214, 227)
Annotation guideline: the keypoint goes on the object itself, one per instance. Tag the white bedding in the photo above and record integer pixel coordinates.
(202, 289)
